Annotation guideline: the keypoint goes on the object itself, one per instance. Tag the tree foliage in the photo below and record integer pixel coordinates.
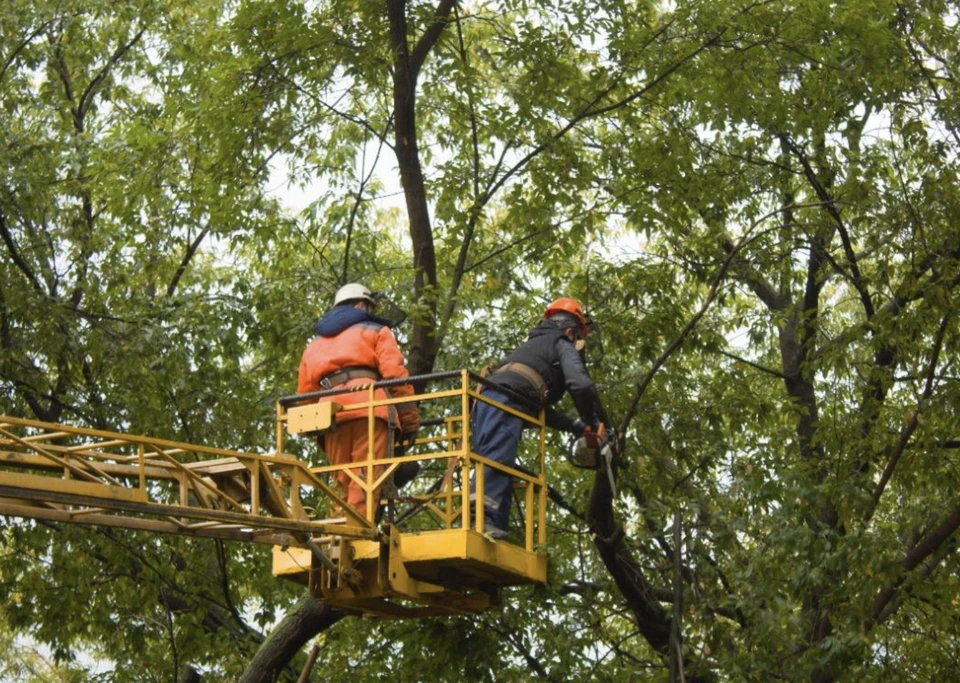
(757, 200)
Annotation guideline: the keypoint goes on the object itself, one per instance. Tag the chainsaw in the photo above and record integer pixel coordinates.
(595, 450)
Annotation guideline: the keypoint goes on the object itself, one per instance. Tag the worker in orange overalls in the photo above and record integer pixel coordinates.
(354, 347)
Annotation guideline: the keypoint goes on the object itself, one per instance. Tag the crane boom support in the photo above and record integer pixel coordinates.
(432, 559)
(71, 474)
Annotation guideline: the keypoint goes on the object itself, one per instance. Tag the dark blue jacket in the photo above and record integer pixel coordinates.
(549, 352)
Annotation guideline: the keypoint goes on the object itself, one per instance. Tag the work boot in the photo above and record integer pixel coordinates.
(490, 528)
(493, 532)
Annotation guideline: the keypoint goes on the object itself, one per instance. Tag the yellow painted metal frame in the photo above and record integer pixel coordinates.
(453, 514)
(442, 564)
(71, 474)
(451, 566)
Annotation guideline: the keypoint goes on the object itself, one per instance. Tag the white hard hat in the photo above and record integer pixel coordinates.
(353, 292)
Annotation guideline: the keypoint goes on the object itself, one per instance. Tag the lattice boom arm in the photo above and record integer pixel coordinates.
(71, 474)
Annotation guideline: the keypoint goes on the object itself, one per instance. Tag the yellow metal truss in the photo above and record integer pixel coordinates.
(428, 556)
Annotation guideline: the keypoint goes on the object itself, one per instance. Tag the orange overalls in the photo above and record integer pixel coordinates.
(368, 345)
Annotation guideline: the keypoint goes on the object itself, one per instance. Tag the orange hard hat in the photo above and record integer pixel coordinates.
(567, 305)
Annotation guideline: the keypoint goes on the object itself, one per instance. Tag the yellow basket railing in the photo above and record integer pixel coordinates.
(443, 445)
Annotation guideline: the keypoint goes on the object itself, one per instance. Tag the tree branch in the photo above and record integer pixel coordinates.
(97, 81)
(303, 622)
(915, 556)
(688, 329)
(914, 421)
(478, 204)
(364, 181)
(18, 260)
(829, 203)
(516, 640)
(185, 261)
(8, 62)
(431, 35)
(755, 366)
(588, 111)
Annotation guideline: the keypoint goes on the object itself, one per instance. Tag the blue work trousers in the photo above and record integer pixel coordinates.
(496, 435)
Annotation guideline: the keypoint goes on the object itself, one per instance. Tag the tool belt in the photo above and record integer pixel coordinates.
(528, 373)
(346, 374)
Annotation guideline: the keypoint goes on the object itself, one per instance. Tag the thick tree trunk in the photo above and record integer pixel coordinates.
(306, 620)
(189, 675)
(609, 537)
(651, 618)
(311, 617)
(407, 62)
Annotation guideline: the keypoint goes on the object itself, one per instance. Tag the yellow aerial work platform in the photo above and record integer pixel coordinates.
(419, 552)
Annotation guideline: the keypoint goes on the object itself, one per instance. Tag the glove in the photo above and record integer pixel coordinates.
(593, 435)
(404, 442)
(579, 426)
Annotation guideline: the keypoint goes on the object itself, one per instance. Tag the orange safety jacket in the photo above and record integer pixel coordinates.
(350, 338)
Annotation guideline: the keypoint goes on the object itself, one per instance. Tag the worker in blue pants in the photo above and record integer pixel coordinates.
(496, 435)
(541, 370)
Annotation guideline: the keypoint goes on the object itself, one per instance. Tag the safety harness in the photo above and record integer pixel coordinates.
(346, 374)
(528, 373)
